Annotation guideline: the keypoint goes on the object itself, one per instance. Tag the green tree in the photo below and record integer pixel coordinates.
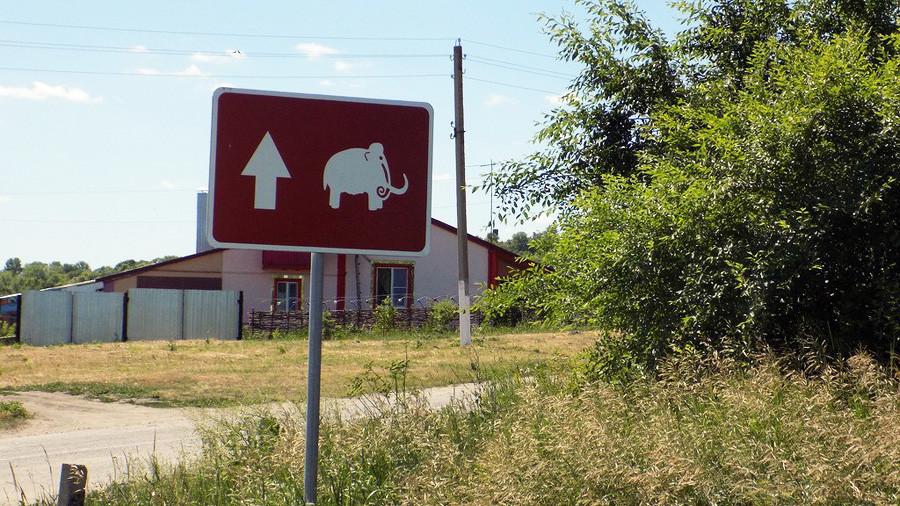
(518, 243)
(13, 266)
(761, 203)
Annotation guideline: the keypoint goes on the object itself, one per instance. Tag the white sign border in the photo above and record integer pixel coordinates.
(275, 247)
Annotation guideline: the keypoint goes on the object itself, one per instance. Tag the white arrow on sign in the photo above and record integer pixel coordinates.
(266, 165)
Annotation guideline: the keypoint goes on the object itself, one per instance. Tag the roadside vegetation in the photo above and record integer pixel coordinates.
(12, 413)
(707, 431)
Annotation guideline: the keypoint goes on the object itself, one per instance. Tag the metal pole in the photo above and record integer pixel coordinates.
(313, 378)
(462, 233)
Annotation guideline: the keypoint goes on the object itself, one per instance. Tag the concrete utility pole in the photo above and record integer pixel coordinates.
(462, 235)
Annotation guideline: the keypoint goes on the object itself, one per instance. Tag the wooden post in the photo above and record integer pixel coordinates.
(72, 485)
(462, 233)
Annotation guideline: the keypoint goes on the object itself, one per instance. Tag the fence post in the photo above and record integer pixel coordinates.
(72, 485)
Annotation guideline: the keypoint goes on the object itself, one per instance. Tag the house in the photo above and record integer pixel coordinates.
(278, 280)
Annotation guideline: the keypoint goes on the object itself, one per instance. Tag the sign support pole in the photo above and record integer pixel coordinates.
(313, 377)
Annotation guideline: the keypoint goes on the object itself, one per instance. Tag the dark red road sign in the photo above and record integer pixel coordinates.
(315, 173)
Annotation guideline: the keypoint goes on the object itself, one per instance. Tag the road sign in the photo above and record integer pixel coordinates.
(300, 172)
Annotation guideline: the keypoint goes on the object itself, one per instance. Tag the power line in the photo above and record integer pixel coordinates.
(469, 78)
(188, 52)
(220, 34)
(495, 46)
(220, 76)
(520, 68)
(96, 222)
(94, 192)
(543, 74)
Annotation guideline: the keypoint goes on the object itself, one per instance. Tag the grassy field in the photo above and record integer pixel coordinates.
(219, 373)
(704, 433)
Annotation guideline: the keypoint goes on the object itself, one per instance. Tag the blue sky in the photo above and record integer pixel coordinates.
(105, 106)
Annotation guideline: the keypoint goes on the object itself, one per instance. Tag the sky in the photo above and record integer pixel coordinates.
(105, 107)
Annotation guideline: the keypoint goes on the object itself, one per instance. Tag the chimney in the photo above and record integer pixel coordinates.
(202, 243)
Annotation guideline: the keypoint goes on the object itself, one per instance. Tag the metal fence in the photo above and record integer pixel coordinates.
(142, 314)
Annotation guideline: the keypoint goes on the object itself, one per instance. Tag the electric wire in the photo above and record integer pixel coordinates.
(89, 48)
(498, 83)
(218, 76)
(219, 34)
(520, 68)
(495, 46)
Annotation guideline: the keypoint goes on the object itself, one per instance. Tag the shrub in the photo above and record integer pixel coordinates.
(441, 316)
(385, 317)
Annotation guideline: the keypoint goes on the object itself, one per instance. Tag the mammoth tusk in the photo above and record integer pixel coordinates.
(402, 189)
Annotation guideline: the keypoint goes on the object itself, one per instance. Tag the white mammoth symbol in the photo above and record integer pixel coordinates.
(360, 170)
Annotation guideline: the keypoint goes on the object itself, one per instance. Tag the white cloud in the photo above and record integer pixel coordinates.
(342, 66)
(495, 99)
(555, 99)
(167, 185)
(43, 91)
(440, 177)
(229, 55)
(192, 71)
(313, 51)
(147, 71)
(139, 49)
(4, 198)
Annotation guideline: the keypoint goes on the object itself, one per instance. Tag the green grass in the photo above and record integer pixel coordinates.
(12, 413)
(705, 432)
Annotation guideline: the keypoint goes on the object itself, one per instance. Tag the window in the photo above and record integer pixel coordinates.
(393, 281)
(287, 294)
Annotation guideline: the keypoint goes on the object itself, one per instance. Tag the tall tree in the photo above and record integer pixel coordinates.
(13, 266)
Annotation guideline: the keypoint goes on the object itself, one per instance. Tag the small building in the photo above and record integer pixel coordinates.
(279, 281)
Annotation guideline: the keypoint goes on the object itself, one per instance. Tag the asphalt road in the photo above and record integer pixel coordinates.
(115, 439)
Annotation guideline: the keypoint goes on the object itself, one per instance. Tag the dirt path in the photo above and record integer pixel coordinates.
(109, 438)
(113, 439)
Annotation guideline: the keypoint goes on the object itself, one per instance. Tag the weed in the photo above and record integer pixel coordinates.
(385, 317)
(12, 413)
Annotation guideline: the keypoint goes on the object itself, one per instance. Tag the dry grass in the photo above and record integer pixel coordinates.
(735, 434)
(763, 436)
(243, 372)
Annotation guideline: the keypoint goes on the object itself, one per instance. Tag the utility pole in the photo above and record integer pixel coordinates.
(462, 234)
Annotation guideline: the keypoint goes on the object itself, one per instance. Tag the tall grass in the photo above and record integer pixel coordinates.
(707, 432)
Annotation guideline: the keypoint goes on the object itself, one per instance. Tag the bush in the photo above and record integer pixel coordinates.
(385, 317)
(441, 316)
(764, 213)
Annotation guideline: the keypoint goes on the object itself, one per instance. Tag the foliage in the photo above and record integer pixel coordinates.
(12, 413)
(441, 316)
(7, 329)
(613, 359)
(16, 277)
(757, 434)
(759, 198)
(385, 317)
(530, 247)
(329, 325)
